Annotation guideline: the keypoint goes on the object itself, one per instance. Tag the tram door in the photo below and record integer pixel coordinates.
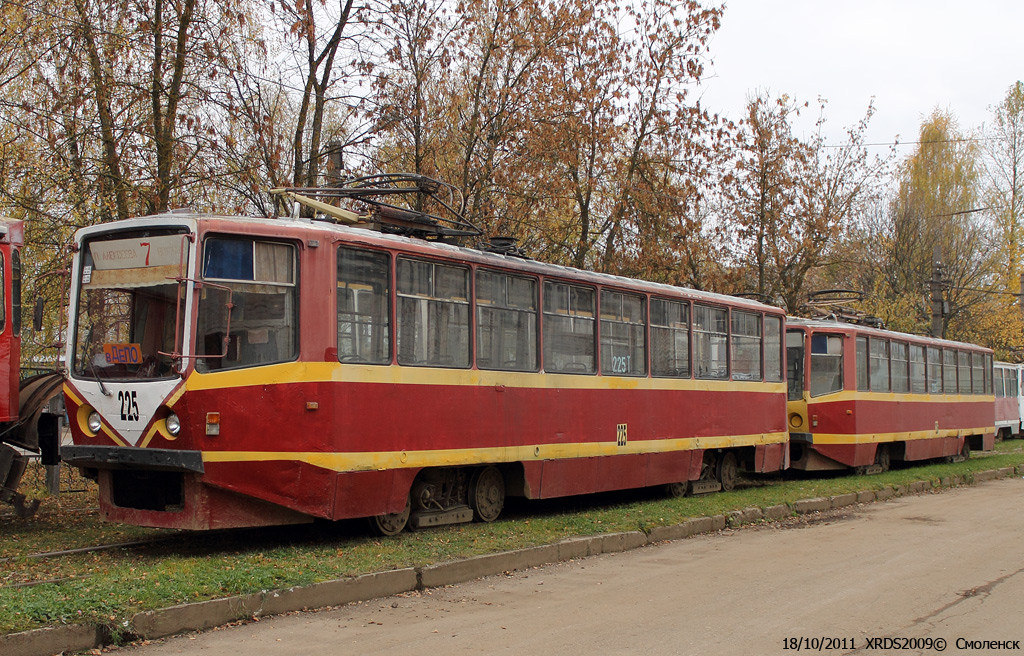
(795, 379)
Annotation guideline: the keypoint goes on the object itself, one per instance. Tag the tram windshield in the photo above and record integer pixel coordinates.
(129, 304)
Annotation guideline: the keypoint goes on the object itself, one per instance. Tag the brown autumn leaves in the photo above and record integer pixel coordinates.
(575, 127)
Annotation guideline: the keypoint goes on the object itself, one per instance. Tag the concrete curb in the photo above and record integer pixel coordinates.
(53, 640)
(217, 612)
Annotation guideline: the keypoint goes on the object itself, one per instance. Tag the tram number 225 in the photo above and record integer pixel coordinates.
(129, 405)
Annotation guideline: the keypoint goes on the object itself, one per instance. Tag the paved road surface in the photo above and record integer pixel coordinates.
(948, 565)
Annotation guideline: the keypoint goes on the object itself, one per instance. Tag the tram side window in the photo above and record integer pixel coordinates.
(988, 372)
(963, 365)
(569, 328)
(263, 326)
(934, 370)
(862, 364)
(826, 364)
(879, 365)
(433, 314)
(622, 334)
(746, 346)
(711, 341)
(1011, 383)
(3, 301)
(16, 291)
(506, 322)
(670, 338)
(978, 373)
(918, 382)
(900, 368)
(773, 349)
(1001, 383)
(949, 370)
(364, 306)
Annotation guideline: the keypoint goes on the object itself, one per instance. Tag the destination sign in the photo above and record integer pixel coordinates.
(136, 253)
(122, 353)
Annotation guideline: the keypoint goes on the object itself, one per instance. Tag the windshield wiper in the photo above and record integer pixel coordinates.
(92, 366)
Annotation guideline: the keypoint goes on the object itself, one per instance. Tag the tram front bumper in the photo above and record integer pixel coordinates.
(119, 457)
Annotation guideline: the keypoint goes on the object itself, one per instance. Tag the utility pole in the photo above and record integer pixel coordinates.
(1020, 297)
(936, 284)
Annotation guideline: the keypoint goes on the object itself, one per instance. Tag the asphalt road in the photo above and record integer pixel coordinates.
(867, 579)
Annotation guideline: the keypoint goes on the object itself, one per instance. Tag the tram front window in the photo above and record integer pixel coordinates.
(128, 308)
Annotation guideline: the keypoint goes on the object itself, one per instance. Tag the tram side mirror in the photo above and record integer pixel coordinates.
(37, 314)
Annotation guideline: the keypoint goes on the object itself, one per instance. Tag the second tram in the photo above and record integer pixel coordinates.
(862, 397)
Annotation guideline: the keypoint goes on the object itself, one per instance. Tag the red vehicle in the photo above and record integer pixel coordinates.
(863, 397)
(24, 427)
(238, 372)
(1006, 380)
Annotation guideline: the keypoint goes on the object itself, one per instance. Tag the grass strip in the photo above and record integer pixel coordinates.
(111, 587)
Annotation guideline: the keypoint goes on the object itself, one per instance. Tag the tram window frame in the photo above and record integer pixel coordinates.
(564, 314)
(1000, 385)
(746, 339)
(863, 365)
(826, 363)
(988, 372)
(432, 317)
(372, 327)
(934, 370)
(710, 346)
(773, 370)
(950, 371)
(3, 299)
(493, 332)
(795, 363)
(899, 366)
(670, 338)
(878, 353)
(16, 291)
(253, 340)
(963, 365)
(978, 373)
(918, 368)
(615, 320)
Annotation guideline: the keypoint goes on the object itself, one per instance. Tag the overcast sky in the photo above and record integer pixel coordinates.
(910, 56)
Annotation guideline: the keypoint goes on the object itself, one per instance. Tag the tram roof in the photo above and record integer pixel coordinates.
(290, 227)
(879, 332)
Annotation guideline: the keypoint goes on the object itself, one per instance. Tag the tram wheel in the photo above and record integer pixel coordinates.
(678, 490)
(882, 457)
(727, 471)
(487, 494)
(391, 523)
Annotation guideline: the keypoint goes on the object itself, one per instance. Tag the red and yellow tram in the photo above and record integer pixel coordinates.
(862, 397)
(237, 372)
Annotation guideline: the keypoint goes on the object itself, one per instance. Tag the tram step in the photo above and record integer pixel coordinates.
(703, 487)
(423, 519)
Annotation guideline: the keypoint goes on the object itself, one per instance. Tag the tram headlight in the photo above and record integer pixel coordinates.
(173, 424)
(94, 423)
